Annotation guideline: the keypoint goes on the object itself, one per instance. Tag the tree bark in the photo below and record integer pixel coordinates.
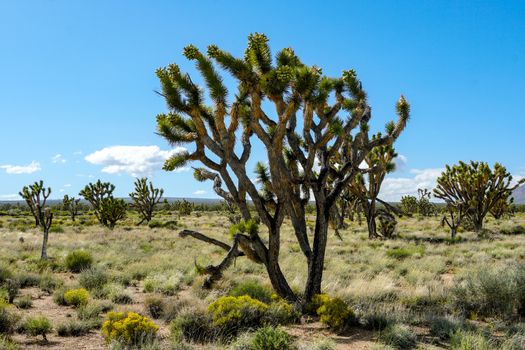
(316, 265)
(43, 256)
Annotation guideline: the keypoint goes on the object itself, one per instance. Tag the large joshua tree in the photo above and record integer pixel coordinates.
(107, 208)
(314, 118)
(475, 186)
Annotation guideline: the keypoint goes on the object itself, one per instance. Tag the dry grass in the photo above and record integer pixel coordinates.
(410, 277)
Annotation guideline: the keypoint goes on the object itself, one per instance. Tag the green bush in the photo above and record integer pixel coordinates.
(76, 297)
(26, 280)
(398, 336)
(8, 319)
(94, 280)
(7, 344)
(24, 302)
(128, 329)
(12, 287)
(464, 340)
(253, 289)
(514, 230)
(444, 327)
(36, 326)
(78, 260)
(155, 306)
(74, 328)
(486, 292)
(49, 284)
(58, 296)
(236, 313)
(194, 326)
(323, 344)
(269, 338)
(92, 310)
(5, 273)
(376, 320)
(515, 342)
(405, 252)
(281, 313)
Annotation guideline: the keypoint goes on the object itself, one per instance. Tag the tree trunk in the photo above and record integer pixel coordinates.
(371, 220)
(453, 231)
(43, 256)
(316, 265)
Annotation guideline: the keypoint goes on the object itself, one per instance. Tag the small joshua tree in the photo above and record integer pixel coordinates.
(502, 207)
(36, 196)
(476, 186)
(71, 204)
(108, 209)
(424, 206)
(409, 204)
(454, 215)
(145, 198)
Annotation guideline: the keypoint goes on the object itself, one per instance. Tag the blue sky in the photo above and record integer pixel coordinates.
(77, 78)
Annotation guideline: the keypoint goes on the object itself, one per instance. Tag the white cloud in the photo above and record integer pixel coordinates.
(21, 169)
(67, 185)
(134, 160)
(77, 153)
(9, 197)
(200, 192)
(58, 158)
(401, 162)
(394, 188)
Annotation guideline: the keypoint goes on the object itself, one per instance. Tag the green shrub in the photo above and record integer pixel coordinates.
(94, 280)
(486, 292)
(49, 284)
(281, 313)
(155, 306)
(12, 287)
(129, 329)
(74, 328)
(514, 230)
(26, 280)
(253, 289)
(122, 297)
(56, 229)
(92, 310)
(8, 319)
(464, 340)
(5, 273)
(269, 338)
(7, 344)
(24, 302)
(236, 313)
(36, 326)
(194, 326)
(515, 342)
(76, 297)
(444, 327)
(398, 336)
(405, 252)
(323, 344)
(376, 320)
(58, 296)
(78, 260)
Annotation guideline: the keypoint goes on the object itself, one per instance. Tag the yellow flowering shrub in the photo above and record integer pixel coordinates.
(333, 312)
(129, 329)
(76, 297)
(237, 312)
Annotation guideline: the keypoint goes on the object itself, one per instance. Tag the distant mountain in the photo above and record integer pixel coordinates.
(519, 195)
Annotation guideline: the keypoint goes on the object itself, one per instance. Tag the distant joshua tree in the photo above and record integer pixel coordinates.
(108, 209)
(145, 198)
(36, 196)
(71, 205)
(477, 187)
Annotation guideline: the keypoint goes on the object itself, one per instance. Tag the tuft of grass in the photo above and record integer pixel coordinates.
(398, 336)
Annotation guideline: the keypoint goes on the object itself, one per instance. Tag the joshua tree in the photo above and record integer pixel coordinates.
(454, 214)
(476, 186)
(380, 161)
(424, 206)
(71, 205)
(502, 207)
(299, 93)
(108, 209)
(145, 198)
(36, 196)
(409, 204)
